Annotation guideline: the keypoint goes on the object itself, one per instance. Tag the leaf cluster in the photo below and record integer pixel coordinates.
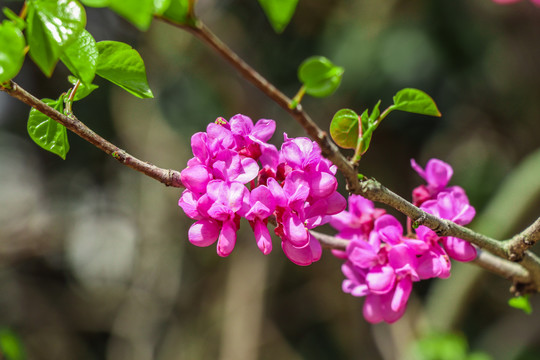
(54, 30)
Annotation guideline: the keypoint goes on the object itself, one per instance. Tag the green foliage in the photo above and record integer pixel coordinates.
(10, 346)
(122, 65)
(160, 6)
(522, 303)
(51, 26)
(279, 12)
(11, 51)
(81, 57)
(177, 11)
(319, 76)
(137, 12)
(444, 347)
(344, 128)
(46, 132)
(415, 101)
(95, 3)
(346, 133)
(15, 18)
(369, 124)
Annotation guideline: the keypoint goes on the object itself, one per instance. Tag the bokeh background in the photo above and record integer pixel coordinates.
(94, 257)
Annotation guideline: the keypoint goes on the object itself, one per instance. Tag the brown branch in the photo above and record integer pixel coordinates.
(523, 241)
(329, 149)
(370, 189)
(501, 267)
(330, 242)
(166, 176)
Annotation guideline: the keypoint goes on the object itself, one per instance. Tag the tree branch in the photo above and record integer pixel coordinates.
(166, 176)
(523, 241)
(369, 189)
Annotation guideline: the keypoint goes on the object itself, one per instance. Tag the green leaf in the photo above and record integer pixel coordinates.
(367, 131)
(415, 101)
(83, 90)
(11, 51)
(52, 25)
(320, 77)
(344, 128)
(81, 57)
(10, 345)
(160, 6)
(46, 132)
(279, 12)
(137, 12)
(95, 3)
(19, 23)
(177, 11)
(122, 65)
(522, 303)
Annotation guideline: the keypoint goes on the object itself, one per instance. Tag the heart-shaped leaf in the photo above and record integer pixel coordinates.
(415, 101)
(11, 51)
(319, 76)
(122, 65)
(177, 11)
(81, 57)
(522, 303)
(52, 25)
(344, 128)
(137, 12)
(279, 12)
(46, 132)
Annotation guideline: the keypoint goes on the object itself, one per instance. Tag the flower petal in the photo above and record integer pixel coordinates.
(188, 203)
(204, 232)
(401, 294)
(302, 256)
(381, 279)
(321, 184)
(262, 236)
(294, 230)
(459, 249)
(227, 239)
(195, 178)
(241, 125)
(264, 129)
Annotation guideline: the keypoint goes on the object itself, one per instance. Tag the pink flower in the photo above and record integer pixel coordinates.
(296, 185)
(454, 206)
(262, 205)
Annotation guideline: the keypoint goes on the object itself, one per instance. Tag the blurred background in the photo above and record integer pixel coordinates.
(94, 257)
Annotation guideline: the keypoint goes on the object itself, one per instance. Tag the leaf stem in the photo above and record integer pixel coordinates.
(385, 113)
(298, 97)
(24, 10)
(69, 100)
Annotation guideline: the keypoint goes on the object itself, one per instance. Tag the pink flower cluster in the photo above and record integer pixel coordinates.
(382, 263)
(236, 174)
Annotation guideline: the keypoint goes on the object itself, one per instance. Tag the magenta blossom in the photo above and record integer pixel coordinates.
(235, 173)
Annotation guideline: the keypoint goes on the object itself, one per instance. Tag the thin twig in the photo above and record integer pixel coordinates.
(166, 176)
